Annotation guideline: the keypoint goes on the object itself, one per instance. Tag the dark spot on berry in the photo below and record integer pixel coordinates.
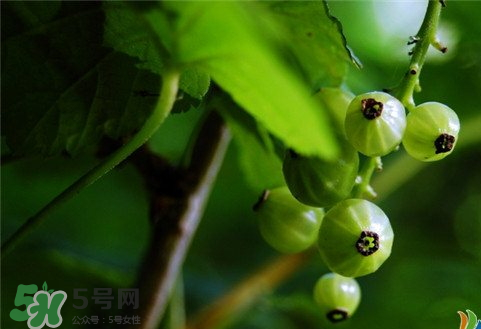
(443, 3)
(444, 50)
(368, 243)
(413, 71)
(337, 315)
(444, 143)
(261, 200)
(371, 108)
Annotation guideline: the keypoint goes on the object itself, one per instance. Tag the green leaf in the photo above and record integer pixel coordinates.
(194, 82)
(223, 39)
(128, 31)
(44, 286)
(50, 291)
(261, 166)
(34, 13)
(66, 90)
(314, 37)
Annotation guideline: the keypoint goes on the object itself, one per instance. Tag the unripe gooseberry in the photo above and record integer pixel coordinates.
(286, 224)
(337, 296)
(318, 182)
(431, 132)
(355, 238)
(375, 123)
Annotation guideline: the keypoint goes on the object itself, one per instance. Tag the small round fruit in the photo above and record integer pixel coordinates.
(355, 238)
(431, 132)
(337, 296)
(318, 182)
(286, 224)
(375, 123)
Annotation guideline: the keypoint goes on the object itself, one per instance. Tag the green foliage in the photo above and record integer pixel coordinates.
(70, 86)
(73, 72)
(306, 30)
(65, 89)
(257, 157)
(221, 39)
(126, 31)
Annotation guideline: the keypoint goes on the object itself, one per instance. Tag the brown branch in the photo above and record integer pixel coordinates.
(178, 203)
(244, 294)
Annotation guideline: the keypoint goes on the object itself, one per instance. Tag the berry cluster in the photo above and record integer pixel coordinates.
(354, 236)
(376, 124)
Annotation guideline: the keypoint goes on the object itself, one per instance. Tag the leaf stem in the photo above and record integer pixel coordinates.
(162, 109)
(425, 37)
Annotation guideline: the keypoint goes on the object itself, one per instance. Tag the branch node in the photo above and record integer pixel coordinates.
(413, 39)
(439, 46)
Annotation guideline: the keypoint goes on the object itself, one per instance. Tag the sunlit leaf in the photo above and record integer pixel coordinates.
(315, 38)
(127, 31)
(221, 39)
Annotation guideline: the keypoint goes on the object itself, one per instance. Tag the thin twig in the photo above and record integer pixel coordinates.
(170, 82)
(424, 38)
(248, 291)
(176, 219)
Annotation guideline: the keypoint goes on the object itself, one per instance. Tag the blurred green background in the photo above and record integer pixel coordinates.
(97, 239)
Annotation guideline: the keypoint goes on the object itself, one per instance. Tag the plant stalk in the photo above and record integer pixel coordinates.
(176, 220)
(362, 188)
(424, 38)
(248, 291)
(164, 105)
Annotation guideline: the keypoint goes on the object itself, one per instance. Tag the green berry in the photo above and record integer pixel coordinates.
(337, 296)
(431, 132)
(355, 238)
(375, 123)
(318, 182)
(286, 224)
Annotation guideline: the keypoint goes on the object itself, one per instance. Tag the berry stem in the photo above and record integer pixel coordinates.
(425, 37)
(164, 105)
(362, 189)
